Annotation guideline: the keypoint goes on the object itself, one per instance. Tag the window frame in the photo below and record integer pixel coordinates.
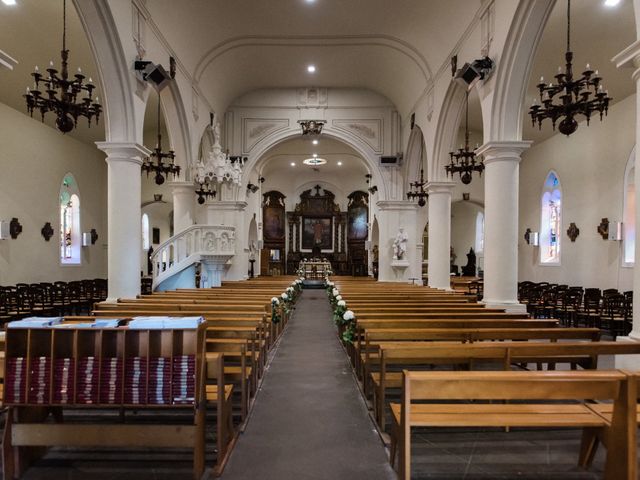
(549, 190)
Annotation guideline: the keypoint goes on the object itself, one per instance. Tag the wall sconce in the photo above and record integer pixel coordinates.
(466, 196)
(47, 231)
(261, 179)
(373, 190)
(89, 238)
(252, 188)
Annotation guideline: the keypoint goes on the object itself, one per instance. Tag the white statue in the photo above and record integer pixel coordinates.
(400, 245)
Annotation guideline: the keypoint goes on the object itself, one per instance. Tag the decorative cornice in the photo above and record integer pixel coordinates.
(629, 58)
(398, 205)
(507, 151)
(7, 61)
(227, 205)
(435, 188)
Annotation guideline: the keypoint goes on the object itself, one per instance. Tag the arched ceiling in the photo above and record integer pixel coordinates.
(392, 47)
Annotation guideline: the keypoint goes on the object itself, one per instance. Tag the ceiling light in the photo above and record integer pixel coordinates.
(311, 68)
(293, 164)
(314, 155)
(339, 163)
(9, 2)
(315, 142)
(611, 3)
(315, 161)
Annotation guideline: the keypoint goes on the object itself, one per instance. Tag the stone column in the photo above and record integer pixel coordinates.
(630, 58)
(501, 180)
(123, 217)
(184, 205)
(439, 234)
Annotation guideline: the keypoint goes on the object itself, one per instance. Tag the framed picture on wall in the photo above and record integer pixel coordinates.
(317, 232)
(155, 233)
(357, 223)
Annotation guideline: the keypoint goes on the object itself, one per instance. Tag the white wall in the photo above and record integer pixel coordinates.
(591, 165)
(33, 159)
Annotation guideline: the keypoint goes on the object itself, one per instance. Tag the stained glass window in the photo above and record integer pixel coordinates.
(551, 220)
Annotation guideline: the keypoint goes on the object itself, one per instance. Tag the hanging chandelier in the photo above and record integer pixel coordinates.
(61, 94)
(417, 188)
(155, 162)
(463, 160)
(218, 167)
(584, 95)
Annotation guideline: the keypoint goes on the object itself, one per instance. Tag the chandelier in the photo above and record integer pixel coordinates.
(62, 95)
(417, 190)
(218, 167)
(155, 162)
(463, 160)
(584, 95)
(311, 127)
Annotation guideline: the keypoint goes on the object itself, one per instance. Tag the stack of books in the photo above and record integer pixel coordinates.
(183, 383)
(111, 380)
(135, 380)
(39, 380)
(63, 380)
(159, 381)
(87, 381)
(15, 378)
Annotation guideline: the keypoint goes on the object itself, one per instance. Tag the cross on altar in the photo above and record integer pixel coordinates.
(317, 189)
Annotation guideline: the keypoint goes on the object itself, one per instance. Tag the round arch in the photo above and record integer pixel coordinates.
(257, 153)
(415, 156)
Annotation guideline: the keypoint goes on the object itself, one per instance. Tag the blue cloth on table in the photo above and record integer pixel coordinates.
(35, 322)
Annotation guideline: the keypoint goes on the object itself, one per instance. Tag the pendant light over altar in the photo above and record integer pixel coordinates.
(582, 96)
(62, 95)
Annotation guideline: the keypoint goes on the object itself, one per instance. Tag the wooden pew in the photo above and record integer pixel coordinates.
(529, 389)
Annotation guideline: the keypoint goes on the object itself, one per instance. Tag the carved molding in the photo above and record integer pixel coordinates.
(369, 131)
(312, 97)
(255, 129)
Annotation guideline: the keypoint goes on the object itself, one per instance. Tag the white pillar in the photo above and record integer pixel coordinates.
(123, 217)
(630, 58)
(439, 234)
(502, 170)
(184, 205)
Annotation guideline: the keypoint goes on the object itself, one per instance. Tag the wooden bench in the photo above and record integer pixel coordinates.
(529, 389)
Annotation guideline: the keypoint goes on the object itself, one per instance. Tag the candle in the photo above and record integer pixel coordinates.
(79, 71)
(37, 69)
(28, 91)
(51, 63)
(588, 67)
(559, 69)
(541, 79)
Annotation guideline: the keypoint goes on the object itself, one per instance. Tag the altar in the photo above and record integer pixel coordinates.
(314, 271)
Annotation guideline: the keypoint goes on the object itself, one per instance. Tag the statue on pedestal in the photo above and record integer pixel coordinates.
(400, 245)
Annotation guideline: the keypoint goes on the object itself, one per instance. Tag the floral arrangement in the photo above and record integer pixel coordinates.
(275, 313)
(339, 310)
(349, 324)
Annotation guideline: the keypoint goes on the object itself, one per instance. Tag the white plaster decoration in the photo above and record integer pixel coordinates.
(502, 167)
(256, 129)
(439, 234)
(6, 61)
(487, 26)
(123, 217)
(138, 27)
(214, 244)
(312, 97)
(369, 131)
(630, 58)
(391, 216)
(229, 137)
(195, 103)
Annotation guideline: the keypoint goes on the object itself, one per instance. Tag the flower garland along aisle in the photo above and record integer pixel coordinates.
(283, 305)
(343, 318)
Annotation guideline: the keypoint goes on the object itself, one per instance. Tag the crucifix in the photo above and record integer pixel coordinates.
(317, 189)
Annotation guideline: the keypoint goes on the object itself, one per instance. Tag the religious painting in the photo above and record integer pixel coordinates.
(317, 232)
(274, 225)
(357, 224)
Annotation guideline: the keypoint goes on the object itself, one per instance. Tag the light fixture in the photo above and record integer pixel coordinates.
(311, 68)
(293, 164)
(155, 163)
(156, 74)
(204, 191)
(611, 3)
(314, 155)
(216, 167)
(61, 93)
(463, 161)
(315, 142)
(311, 127)
(417, 188)
(373, 189)
(584, 95)
(9, 2)
(252, 188)
(314, 161)
(339, 163)
(471, 73)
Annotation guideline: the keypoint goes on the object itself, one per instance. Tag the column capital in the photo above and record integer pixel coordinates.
(629, 58)
(385, 205)
(440, 187)
(124, 151)
(181, 186)
(501, 151)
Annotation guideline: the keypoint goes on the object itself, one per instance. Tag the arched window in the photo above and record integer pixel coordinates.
(629, 213)
(145, 232)
(551, 220)
(480, 232)
(70, 233)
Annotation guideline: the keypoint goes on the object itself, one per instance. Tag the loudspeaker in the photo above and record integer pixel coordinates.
(389, 160)
(86, 239)
(615, 231)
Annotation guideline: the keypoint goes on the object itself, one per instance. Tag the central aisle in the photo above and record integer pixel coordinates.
(309, 421)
